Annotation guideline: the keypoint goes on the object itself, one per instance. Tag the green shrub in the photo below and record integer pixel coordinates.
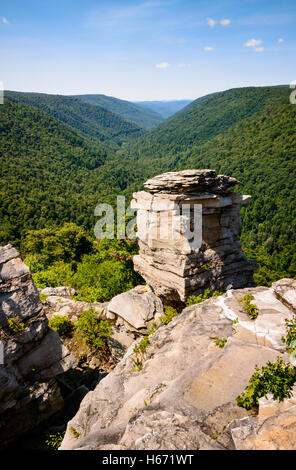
(15, 326)
(220, 342)
(169, 314)
(291, 332)
(59, 274)
(62, 325)
(192, 300)
(91, 330)
(74, 432)
(139, 350)
(250, 309)
(276, 378)
(55, 440)
(99, 281)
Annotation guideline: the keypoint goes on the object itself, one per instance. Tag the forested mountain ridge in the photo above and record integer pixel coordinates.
(205, 118)
(91, 121)
(57, 176)
(49, 173)
(141, 116)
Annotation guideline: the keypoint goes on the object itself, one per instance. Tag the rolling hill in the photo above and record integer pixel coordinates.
(91, 121)
(141, 116)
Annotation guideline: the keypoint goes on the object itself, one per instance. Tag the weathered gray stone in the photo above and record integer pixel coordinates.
(62, 291)
(277, 432)
(188, 229)
(137, 307)
(33, 356)
(285, 291)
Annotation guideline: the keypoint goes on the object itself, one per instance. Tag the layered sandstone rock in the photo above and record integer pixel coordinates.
(188, 229)
(184, 395)
(33, 354)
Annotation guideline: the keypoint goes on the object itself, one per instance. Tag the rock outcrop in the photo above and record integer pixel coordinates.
(188, 228)
(33, 354)
(182, 396)
(135, 309)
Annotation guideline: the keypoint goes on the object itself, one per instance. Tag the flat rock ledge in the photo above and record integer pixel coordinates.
(183, 396)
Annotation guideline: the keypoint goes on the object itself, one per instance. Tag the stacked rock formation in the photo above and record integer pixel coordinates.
(33, 355)
(188, 227)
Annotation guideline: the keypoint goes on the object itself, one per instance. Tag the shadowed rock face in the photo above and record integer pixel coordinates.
(184, 395)
(188, 229)
(33, 353)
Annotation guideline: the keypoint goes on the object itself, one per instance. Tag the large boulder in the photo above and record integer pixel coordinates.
(137, 307)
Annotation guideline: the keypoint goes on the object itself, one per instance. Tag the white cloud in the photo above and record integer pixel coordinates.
(211, 22)
(208, 48)
(225, 22)
(163, 65)
(5, 20)
(281, 40)
(253, 43)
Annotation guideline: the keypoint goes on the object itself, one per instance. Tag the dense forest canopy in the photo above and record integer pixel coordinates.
(141, 116)
(91, 121)
(52, 173)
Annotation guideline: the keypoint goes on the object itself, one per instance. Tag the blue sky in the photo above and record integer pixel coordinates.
(146, 49)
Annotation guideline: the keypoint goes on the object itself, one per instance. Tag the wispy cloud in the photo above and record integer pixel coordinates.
(281, 40)
(4, 20)
(211, 22)
(255, 45)
(163, 65)
(208, 48)
(129, 17)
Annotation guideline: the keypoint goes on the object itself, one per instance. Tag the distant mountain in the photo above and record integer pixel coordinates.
(91, 121)
(143, 117)
(165, 108)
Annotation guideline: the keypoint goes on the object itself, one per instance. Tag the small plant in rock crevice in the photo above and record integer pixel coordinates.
(192, 300)
(220, 342)
(140, 350)
(74, 432)
(15, 326)
(169, 314)
(249, 308)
